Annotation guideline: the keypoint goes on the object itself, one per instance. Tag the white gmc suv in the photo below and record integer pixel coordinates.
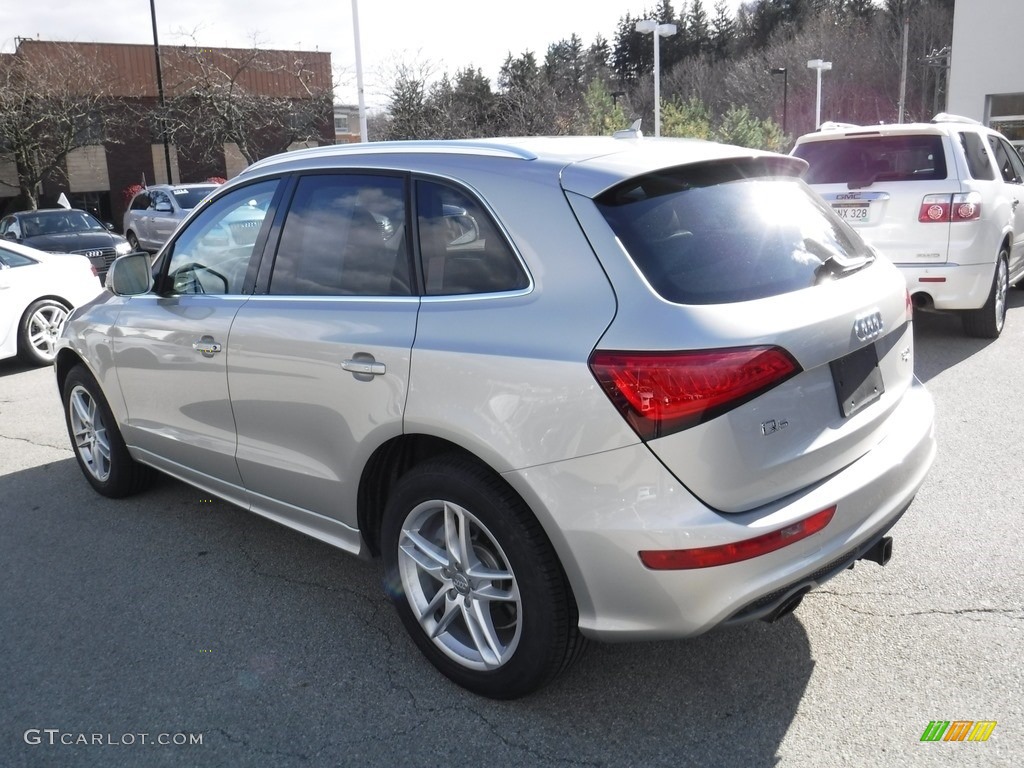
(941, 199)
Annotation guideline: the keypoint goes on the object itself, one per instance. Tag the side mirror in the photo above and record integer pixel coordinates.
(163, 208)
(130, 275)
(108, 225)
(9, 235)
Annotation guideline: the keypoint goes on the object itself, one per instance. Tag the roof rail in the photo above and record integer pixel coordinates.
(945, 117)
(452, 147)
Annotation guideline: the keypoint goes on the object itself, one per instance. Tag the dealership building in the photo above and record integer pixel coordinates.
(986, 77)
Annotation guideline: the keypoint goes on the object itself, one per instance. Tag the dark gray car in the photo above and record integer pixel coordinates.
(66, 230)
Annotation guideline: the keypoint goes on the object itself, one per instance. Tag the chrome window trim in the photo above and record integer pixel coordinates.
(333, 298)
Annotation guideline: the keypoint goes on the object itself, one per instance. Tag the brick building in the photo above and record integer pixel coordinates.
(98, 174)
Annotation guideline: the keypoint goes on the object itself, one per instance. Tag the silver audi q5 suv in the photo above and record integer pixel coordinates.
(564, 388)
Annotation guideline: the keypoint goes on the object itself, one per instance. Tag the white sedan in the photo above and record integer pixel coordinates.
(37, 292)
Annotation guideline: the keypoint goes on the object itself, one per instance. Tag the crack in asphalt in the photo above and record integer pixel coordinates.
(542, 757)
(63, 448)
(1012, 613)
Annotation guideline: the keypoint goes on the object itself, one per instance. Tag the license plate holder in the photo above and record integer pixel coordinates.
(857, 379)
(853, 212)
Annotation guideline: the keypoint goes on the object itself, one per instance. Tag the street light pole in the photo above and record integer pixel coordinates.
(785, 92)
(359, 72)
(820, 66)
(656, 30)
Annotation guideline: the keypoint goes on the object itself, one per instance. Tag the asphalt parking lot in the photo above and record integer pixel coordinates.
(175, 616)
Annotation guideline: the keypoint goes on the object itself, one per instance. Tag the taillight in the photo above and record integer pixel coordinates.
(947, 208)
(659, 393)
(737, 551)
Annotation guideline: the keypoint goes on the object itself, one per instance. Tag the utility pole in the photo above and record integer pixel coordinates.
(903, 71)
(160, 92)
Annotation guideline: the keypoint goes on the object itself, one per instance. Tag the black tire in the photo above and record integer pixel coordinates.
(39, 329)
(988, 322)
(133, 241)
(526, 624)
(96, 440)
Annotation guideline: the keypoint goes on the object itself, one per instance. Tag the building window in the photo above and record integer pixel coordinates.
(1007, 116)
(341, 123)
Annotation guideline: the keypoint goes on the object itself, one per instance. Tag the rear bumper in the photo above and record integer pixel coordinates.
(601, 510)
(951, 286)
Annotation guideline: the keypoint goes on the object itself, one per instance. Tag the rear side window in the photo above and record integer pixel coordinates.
(978, 164)
(461, 248)
(703, 236)
(861, 161)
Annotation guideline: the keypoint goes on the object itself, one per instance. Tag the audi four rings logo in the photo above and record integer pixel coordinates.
(869, 326)
(93, 254)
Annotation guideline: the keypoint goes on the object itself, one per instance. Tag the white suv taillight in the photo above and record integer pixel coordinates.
(947, 208)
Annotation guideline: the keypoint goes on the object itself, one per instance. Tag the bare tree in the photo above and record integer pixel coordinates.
(260, 100)
(52, 101)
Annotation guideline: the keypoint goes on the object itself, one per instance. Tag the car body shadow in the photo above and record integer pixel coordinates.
(172, 611)
(14, 365)
(940, 342)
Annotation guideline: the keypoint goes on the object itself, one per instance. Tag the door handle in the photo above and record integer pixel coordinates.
(369, 367)
(206, 346)
(1016, 202)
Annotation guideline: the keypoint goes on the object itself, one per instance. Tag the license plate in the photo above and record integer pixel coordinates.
(855, 212)
(857, 379)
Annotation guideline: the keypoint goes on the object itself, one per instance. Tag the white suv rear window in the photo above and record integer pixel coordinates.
(863, 160)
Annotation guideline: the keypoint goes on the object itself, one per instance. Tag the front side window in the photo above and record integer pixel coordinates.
(344, 236)
(861, 161)
(160, 202)
(212, 254)
(1007, 160)
(1015, 161)
(710, 234)
(461, 247)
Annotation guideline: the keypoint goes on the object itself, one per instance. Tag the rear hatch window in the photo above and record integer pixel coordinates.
(862, 160)
(712, 234)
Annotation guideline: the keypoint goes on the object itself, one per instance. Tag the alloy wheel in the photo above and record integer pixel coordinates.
(44, 327)
(89, 433)
(459, 585)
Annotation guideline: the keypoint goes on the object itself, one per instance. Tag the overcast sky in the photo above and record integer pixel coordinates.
(442, 34)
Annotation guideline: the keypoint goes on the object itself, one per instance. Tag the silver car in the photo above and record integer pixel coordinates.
(566, 389)
(155, 212)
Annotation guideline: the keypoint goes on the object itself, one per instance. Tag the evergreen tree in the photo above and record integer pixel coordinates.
(723, 30)
(698, 29)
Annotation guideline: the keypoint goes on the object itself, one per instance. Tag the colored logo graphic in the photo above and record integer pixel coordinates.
(958, 730)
